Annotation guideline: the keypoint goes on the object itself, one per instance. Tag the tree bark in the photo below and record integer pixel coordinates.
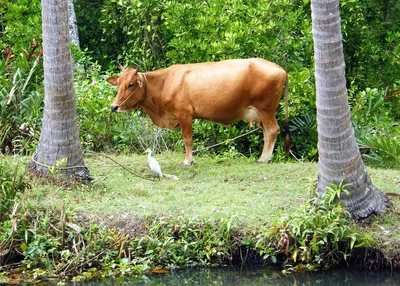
(73, 26)
(339, 156)
(59, 136)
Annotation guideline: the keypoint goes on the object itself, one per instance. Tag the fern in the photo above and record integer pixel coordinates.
(304, 136)
(384, 149)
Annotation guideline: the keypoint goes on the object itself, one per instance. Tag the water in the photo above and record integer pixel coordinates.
(263, 276)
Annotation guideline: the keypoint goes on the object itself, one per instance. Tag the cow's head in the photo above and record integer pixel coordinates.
(130, 89)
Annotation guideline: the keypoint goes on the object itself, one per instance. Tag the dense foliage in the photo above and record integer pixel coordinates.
(156, 34)
(320, 233)
(12, 185)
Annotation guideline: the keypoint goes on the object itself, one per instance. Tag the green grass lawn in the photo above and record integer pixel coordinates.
(231, 187)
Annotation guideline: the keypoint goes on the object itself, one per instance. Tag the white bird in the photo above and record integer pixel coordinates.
(154, 166)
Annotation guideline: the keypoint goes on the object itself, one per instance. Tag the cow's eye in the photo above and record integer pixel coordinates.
(130, 85)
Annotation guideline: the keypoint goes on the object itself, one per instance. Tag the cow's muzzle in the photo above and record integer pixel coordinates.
(114, 108)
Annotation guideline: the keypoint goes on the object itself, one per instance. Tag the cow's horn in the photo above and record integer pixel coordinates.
(136, 67)
(120, 67)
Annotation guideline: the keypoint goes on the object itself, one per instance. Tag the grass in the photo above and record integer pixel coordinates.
(259, 206)
(253, 195)
(231, 187)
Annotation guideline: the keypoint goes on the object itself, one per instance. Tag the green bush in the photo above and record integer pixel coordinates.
(156, 34)
(20, 110)
(371, 42)
(11, 187)
(304, 137)
(21, 23)
(376, 132)
(172, 243)
(383, 148)
(21, 74)
(319, 234)
(370, 108)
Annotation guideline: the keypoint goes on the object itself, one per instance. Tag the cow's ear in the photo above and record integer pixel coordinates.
(112, 80)
(140, 82)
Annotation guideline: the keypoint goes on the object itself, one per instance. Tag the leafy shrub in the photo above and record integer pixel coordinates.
(304, 136)
(371, 42)
(320, 233)
(20, 111)
(160, 33)
(393, 95)
(182, 242)
(21, 24)
(369, 107)
(215, 139)
(375, 131)
(21, 74)
(324, 232)
(157, 34)
(384, 148)
(12, 185)
(62, 245)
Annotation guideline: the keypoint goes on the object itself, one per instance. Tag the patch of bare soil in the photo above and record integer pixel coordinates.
(124, 223)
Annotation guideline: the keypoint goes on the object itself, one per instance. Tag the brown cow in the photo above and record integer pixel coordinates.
(224, 92)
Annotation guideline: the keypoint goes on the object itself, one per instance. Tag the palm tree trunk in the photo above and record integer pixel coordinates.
(59, 136)
(339, 156)
(73, 26)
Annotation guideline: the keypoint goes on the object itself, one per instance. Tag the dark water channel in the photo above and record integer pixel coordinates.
(261, 276)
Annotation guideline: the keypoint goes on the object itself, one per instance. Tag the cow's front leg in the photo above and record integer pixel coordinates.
(185, 122)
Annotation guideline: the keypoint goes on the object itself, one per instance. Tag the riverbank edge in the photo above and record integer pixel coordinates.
(224, 246)
(48, 241)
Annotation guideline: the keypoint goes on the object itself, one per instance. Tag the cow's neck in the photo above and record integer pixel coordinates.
(152, 105)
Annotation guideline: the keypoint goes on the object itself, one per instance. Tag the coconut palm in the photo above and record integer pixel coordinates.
(73, 26)
(339, 157)
(59, 136)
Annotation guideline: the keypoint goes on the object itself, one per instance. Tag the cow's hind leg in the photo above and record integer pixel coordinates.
(185, 122)
(270, 131)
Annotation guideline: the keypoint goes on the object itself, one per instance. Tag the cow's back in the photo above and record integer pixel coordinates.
(220, 91)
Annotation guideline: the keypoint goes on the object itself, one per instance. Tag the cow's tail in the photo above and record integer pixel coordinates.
(287, 136)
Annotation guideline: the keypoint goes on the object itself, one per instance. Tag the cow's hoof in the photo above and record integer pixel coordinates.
(261, 162)
(187, 164)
